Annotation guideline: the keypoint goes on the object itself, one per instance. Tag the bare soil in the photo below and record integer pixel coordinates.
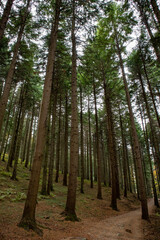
(97, 220)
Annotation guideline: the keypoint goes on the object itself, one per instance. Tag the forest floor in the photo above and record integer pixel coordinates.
(97, 220)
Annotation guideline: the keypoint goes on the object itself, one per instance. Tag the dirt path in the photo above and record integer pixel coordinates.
(122, 227)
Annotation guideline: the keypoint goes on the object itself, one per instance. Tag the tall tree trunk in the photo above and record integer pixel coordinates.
(149, 85)
(156, 10)
(52, 151)
(17, 147)
(95, 157)
(7, 87)
(45, 160)
(28, 218)
(153, 134)
(5, 17)
(71, 195)
(99, 190)
(58, 143)
(150, 164)
(6, 124)
(82, 143)
(25, 140)
(15, 133)
(136, 145)
(90, 145)
(66, 143)
(29, 140)
(145, 21)
(111, 148)
(124, 159)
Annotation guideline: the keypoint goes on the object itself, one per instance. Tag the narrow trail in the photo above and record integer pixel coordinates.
(122, 227)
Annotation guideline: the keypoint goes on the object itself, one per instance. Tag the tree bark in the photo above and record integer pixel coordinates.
(28, 218)
(7, 87)
(17, 147)
(149, 86)
(90, 145)
(66, 143)
(82, 143)
(111, 148)
(58, 143)
(5, 17)
(99, 190)
(71, 195)
(145, 21)
(29, 140)
(136, 145)
(156, 10)
(52, 152)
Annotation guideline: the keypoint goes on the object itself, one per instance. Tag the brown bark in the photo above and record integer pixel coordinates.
(28, 218)
(99, 190)
(52, 151)
(5, 17)
(72, 186)
(95, 157)
(45, 160)
(29, 141)
(25, 140)
(7, 87)
(66, 144)
(58, 144)
(17, 147)
(11, 105)
(14, 134)
(136, 145)
(149, 86)
(124, 159)
(90, 145)
(82, 143)
(111, 147)
(153, 134)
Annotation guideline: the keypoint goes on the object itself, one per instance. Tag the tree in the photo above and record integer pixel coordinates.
(72, 185)
(5, 17)
(28, 218)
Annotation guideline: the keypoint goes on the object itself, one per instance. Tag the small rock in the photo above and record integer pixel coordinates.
(128, 230)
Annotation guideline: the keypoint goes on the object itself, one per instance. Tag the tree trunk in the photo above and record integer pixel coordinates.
(99, 190)
(5, 17)
(71, 195)
(82, 143)
(153, 134)
(58, 143)
(8, 82)
(145, 21)
(14, 134)
(11, 105)
(136, 146)
(52, 152)
(66, 143)
(17, 147)
(124, 159)
(28, 218)
(45, 160)
(25, 140)
(90, 145)
(156, 10)
(29, 141)
(149, 85)
(111, 148)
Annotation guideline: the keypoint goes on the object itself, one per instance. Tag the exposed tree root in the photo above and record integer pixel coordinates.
(28, 224)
